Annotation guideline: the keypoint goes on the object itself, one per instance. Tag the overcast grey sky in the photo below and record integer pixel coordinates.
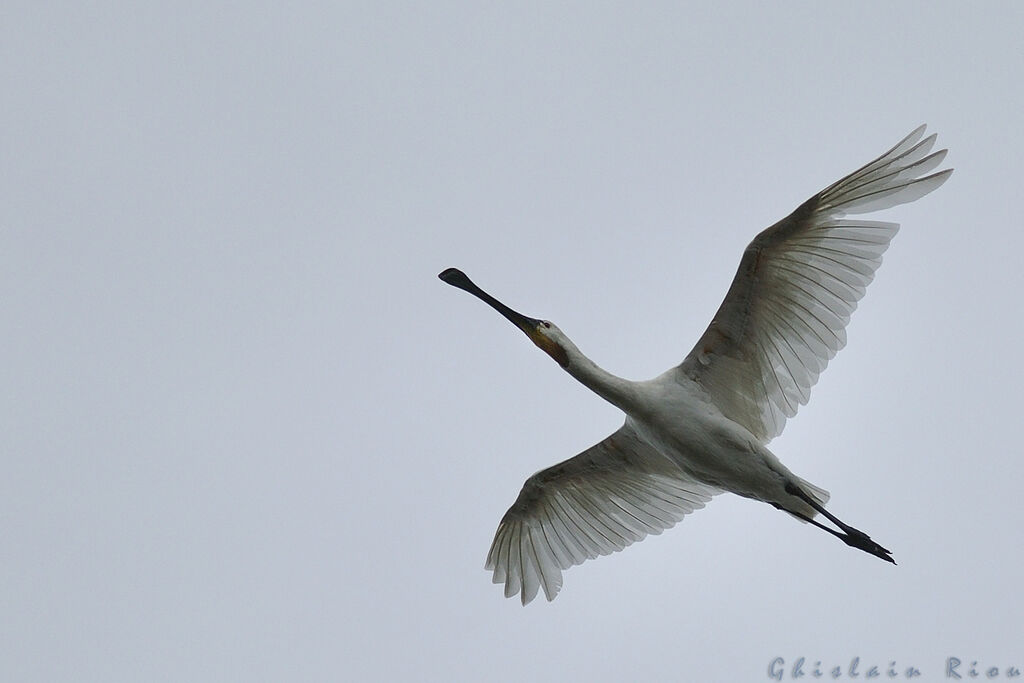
(246, 434)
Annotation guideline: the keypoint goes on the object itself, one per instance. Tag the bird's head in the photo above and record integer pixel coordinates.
(543, 333)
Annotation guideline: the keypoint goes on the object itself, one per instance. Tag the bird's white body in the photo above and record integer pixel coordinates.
(677, 418)
(702, 427)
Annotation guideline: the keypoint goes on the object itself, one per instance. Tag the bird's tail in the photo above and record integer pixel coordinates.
(819, 495)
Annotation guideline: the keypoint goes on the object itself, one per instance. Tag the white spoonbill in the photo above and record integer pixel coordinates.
(701, 428)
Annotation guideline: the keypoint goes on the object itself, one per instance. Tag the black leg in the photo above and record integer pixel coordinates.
(852, 537)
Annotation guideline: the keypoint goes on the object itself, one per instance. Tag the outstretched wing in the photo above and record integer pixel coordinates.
(604, 499)
(799, 281)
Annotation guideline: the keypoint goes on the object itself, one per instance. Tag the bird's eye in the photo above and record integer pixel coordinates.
(547, 324)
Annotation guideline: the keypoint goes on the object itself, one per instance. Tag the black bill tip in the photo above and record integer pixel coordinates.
(453, 276)
(456, 278)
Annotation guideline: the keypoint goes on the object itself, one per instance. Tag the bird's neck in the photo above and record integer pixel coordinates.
(616, 390)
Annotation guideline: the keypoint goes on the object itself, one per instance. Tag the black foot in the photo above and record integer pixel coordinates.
(858, 539)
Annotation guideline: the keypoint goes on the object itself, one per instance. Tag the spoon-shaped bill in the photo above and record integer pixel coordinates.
(456, 278)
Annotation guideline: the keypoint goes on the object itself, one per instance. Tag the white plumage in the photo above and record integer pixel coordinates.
(701, 428)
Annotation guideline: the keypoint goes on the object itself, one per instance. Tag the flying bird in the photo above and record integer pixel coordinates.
(702, 427)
